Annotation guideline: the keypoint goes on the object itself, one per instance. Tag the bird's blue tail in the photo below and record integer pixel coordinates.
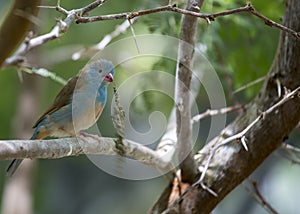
(13, 166)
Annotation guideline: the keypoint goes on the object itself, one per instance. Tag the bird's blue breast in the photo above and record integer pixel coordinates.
(101, 95)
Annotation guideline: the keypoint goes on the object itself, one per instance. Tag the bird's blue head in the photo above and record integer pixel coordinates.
(102, 70)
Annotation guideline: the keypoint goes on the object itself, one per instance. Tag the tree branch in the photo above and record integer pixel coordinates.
(60, 28)
(256, 194)
(230, 164)
(173, 8)
(58, 148)
(241, 136)
(77, 15)
(213, 112)
(92, 50)
(167, 148)
(182, 93)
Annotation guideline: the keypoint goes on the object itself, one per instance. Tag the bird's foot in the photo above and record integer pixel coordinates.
(84, 135)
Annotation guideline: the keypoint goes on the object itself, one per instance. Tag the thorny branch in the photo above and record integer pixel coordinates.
(240, 137)
(173, 8)
(76, 15)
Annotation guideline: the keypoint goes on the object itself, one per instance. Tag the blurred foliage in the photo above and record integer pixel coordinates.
(8, 95)
(241, 44)
(238, 46)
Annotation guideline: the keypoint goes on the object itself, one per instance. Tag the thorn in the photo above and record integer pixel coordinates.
(208, 20)
(244, 143)
(278, 87)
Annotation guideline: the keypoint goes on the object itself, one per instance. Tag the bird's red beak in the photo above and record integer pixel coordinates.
(109, 77)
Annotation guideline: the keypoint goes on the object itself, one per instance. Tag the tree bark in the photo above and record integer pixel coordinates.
(182, 92)
(16, 25)
(232, 164)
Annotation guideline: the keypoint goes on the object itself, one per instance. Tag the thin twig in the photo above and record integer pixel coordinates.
(209, 17)
(212, 112)
(76, 15)
(61, 27)
(258, 196)
(91, 6)
(290, 148)
(250, 84)
(293, 153)
(90, 51)
(264, 203)
(134, 36)
(290, 157)
(171, 8)
(271, 23)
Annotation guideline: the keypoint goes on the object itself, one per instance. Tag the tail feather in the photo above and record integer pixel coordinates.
(13, 166)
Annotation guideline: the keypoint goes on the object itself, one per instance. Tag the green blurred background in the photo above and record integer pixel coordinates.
(240, 47)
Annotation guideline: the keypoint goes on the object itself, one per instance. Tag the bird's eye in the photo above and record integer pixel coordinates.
(100, 71)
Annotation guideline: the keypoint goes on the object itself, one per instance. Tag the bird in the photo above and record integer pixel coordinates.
(76, 107)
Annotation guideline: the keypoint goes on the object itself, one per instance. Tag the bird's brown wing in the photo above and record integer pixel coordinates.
(63, 98)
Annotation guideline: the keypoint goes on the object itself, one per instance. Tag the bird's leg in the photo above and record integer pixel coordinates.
(70, 145)
(83, 135)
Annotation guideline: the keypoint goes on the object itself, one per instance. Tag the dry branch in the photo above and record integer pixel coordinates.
(58, 148)
(256, 194)
(77, 15)
(173, 8)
